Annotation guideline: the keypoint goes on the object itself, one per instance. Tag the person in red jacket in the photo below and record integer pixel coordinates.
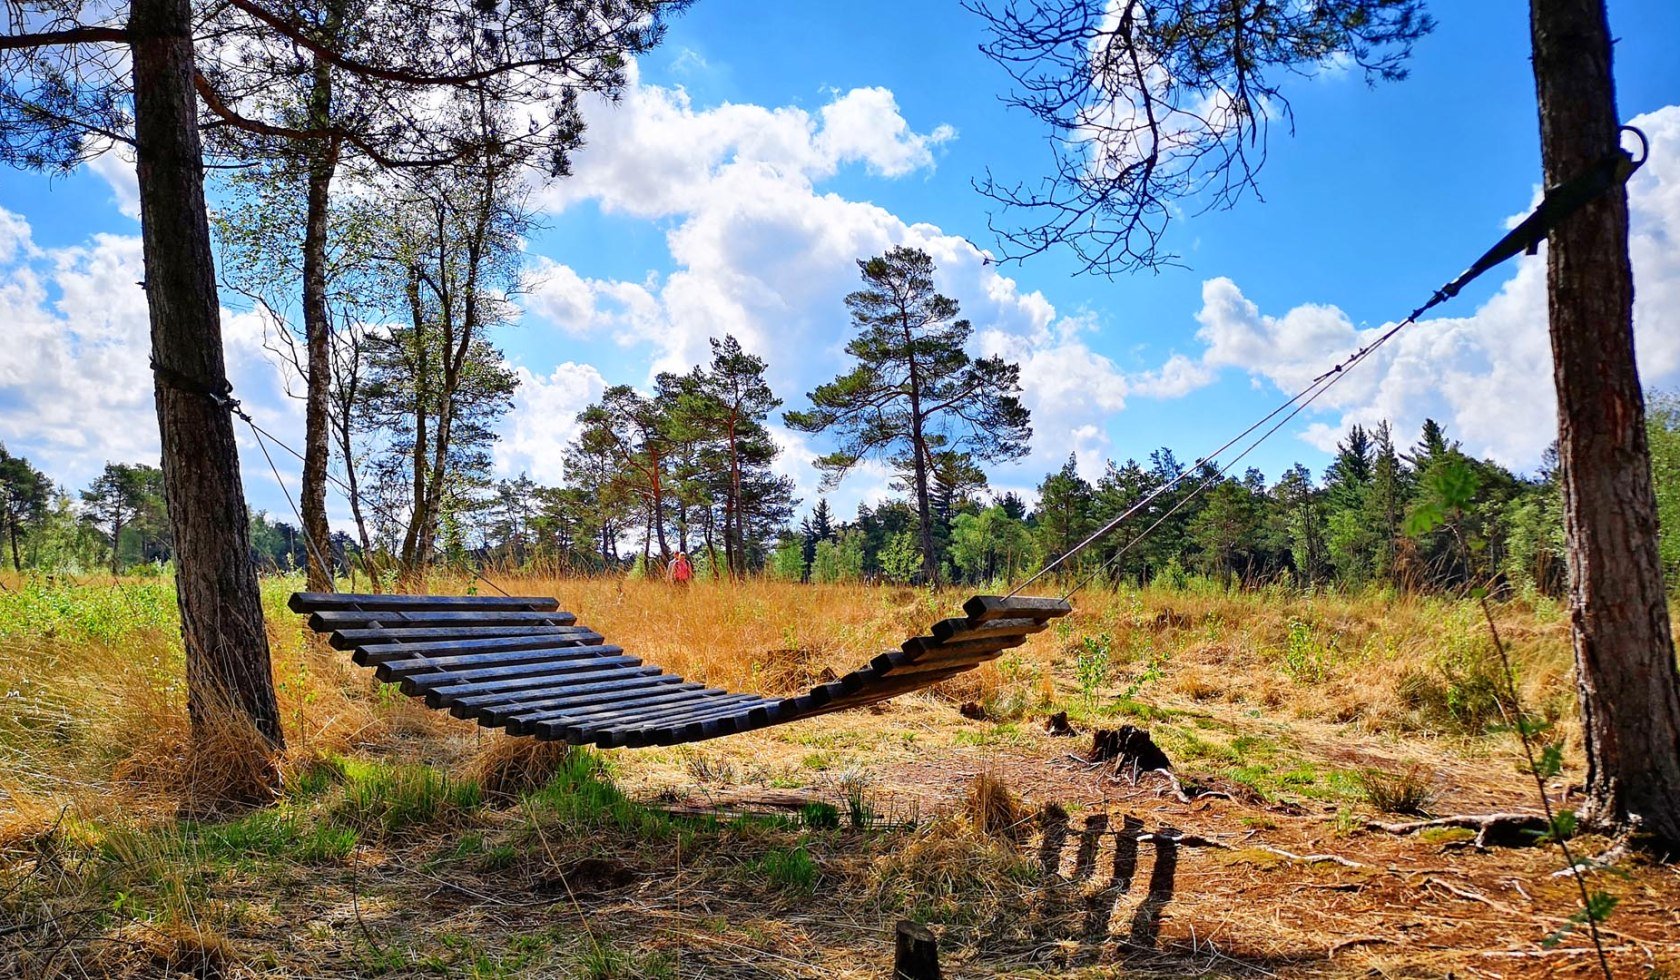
(681, 571)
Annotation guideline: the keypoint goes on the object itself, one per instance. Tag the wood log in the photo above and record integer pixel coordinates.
(459, 680)
(985, 608)
(568, 698)
(523, 721)
(447, 686)
(915, 952)
(947, 630)
(394, 668)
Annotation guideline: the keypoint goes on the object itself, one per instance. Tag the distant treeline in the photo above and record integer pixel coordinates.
(1425, 516)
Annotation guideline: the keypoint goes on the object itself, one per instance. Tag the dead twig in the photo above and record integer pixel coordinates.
(1469, 895)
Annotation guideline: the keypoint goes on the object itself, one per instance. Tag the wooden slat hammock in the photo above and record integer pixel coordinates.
(517, 662)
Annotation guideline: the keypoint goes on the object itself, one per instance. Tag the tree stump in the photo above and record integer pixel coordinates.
(1129, 747)
(916, 953)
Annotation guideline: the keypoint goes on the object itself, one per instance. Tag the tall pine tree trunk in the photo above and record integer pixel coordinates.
(216, 583)
(1624, 651)
(317, 330)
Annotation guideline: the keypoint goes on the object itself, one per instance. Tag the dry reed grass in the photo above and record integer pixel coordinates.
(995, 810)
(508, 767)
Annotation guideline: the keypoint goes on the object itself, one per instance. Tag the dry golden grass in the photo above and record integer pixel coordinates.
(507, 767)
(994, 809)
(381, 858)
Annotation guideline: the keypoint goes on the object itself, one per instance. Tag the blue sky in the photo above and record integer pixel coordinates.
(766, 146)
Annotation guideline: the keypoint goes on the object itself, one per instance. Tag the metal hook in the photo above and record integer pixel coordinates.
(1644, 145)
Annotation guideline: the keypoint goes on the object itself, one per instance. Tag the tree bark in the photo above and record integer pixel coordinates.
(317, 330)
(1624, 651)
(738, 561)
(116, 547)
(229, 679)
(918, 449)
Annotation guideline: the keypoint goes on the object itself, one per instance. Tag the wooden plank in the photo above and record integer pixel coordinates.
(513, 676)
(963, 645)
(967, 661)
(985, 608)
(705, 707)
(457, 680)
(947, 630)
(610, 712)
(522, 723)
(591, 729)
(397, 668)
(352, 638)
(527, 713)
(504, 695)
(518, 700)
(305, 602)
(649, 731)
(381, 653)
(888, 688)
(530, 711)
(897, 663)
(671, 731)
(326, 622)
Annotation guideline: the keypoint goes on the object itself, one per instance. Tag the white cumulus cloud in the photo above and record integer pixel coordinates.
(75, 385)
(761, 250)
(1485, 375)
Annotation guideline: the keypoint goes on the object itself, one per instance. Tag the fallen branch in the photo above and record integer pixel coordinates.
(1313, 858)
(1608, 859)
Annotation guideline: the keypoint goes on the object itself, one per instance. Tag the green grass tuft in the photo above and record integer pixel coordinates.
(393, 798)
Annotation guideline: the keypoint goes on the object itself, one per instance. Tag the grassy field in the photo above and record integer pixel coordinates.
(410, 843)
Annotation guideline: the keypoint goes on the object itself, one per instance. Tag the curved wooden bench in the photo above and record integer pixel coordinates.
(519, 663)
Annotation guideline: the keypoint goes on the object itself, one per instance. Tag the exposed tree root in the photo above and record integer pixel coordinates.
(1492, 830)
(1196, 840)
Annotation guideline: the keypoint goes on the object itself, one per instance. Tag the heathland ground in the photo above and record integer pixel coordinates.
(409, 843)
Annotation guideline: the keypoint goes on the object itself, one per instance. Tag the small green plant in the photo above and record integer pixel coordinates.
(581, 797)
(788, 870)
(1093, 665)
(603, 962)
(1305, 656)
(860, 808)
(1152, 671)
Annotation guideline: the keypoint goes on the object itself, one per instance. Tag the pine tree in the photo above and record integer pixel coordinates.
(1066, 510)
(125, 497)
(914, 388)
(24, 495)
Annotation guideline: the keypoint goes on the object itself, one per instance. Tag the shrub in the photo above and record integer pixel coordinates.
(1408, 791)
